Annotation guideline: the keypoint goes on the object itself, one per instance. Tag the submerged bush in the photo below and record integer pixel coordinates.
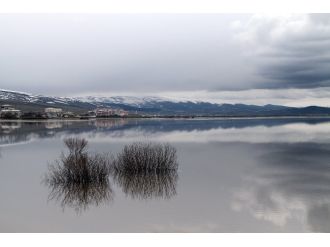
(146, 157)
(79, 166)
(143, 170)
(79, 178)
(146, 170)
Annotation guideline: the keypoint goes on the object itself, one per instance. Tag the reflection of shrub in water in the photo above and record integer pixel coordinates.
(80, 196)
(146, 185)
(143, 170)
(79, 178)
(147, 170)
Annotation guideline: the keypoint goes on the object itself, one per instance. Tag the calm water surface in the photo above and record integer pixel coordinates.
(235, 175)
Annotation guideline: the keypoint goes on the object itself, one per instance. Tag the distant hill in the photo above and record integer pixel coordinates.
(153, 106)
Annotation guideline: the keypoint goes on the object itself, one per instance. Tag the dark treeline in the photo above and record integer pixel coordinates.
(143, 170)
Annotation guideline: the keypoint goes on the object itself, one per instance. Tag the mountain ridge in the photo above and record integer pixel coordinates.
(152, 105)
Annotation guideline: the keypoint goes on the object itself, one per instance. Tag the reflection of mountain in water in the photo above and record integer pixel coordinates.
(291, 182)
(20, 131)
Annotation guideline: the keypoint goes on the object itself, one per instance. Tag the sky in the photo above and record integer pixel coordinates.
(221, 58)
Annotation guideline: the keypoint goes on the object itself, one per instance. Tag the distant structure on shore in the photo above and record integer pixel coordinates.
(53, 112)
(9, 112)
(110, 112)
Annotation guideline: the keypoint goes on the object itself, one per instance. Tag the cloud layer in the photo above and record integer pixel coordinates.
(289, 51)
(209, 56)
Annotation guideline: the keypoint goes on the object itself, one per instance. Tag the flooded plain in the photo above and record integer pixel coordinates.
(233, 175)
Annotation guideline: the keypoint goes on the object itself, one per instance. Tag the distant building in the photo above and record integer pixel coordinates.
(91, 114)
(7, 107)
(88, 115)
(122, 113)
(53, 112)
(110, 112)
(9, 112)
(68, 115)
(104, 112)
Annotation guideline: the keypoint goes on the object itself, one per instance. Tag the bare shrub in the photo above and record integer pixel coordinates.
(80, 168)
(146, 170)
(143, 170)
(79, 178)
(146, 157)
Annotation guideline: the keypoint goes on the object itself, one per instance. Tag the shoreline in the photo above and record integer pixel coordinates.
(165, 117)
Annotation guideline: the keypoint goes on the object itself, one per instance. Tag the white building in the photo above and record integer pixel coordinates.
(9, 112)
(122, 113)
(109, 112)
(53, 112)
(7, 107)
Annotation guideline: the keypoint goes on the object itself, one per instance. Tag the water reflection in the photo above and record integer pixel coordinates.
(79, 179)
(110, 123)
(81, 196)
(9, 127)
(54, 124)
(197, 130)
(142, 170)
(147, 170)
(148, 185)
(291, 182)
(277, 175)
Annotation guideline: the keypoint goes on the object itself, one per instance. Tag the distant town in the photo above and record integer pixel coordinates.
(10, 112)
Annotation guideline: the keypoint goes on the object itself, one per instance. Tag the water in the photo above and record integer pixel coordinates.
(234, 175)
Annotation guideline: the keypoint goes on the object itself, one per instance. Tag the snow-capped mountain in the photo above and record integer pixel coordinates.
(30, 98)
(27, 101)
(151, 105)
(126, 100)
(84, 103)
(93, 100)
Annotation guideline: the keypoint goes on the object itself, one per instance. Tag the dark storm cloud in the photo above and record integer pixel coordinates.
(291, 74)
(290, 51)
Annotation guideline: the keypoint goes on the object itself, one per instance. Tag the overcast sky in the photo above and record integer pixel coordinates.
(217, 57)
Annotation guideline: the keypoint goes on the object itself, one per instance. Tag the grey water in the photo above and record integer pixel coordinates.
(234, 175)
